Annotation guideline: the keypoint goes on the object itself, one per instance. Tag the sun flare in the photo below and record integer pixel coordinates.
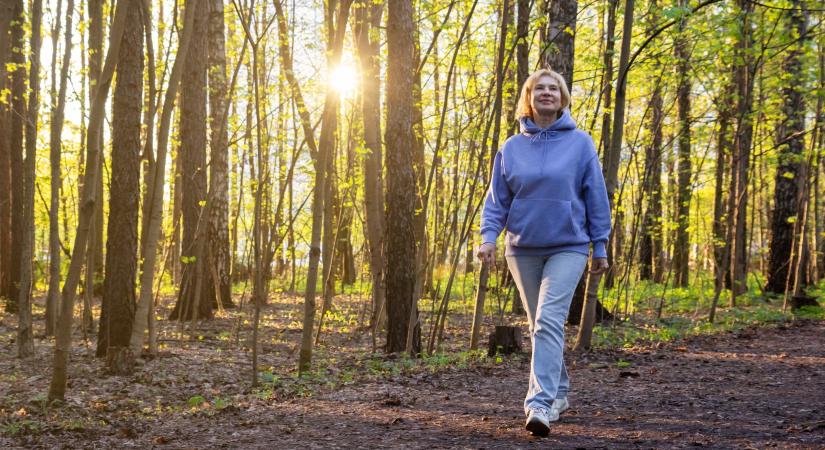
(344, 79)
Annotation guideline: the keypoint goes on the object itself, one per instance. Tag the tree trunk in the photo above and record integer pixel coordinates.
(95, 8)
(681, 250)
(401, 181)
(25, 336)
(368, 21)
(650, 247)
(220, 260)
(55, 150)
(557, 45)
(721, 246)
(650, 251)
(478, 313)
(18, 111)
(740, 164)
(582, 295)
(319, 160)
(790, 140)
(611, 166)
(153, 202)
(63, 343)
(6, 16)
(194, 303)
(819, 208)
(118, 305)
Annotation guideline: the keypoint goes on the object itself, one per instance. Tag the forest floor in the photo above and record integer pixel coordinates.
(755, 387)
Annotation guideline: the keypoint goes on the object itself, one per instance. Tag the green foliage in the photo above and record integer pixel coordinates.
(631, 333)
(196, 401)
(21, 426)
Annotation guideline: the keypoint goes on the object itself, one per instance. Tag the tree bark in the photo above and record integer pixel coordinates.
(55, 150)
(25, 336)
(582, 294)
(650, 248)
(740, 165)
(194, 303)
(95, 66)
(790, 173)
(153, 202)
(721, 246)
(523, 46)
(18, 111)
(319, 160)
(6, 15)
(118, 305)
(681, 246)
(220, 260)
(559, 38)
(368, 20)
(57, 388)
(401, 180)
(611, 171)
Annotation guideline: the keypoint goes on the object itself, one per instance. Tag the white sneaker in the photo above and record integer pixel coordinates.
(559, 406)
(538, 422)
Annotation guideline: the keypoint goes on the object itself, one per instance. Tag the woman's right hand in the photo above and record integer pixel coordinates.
(487, 253)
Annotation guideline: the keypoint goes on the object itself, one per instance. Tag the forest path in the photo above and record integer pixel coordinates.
(761, 387)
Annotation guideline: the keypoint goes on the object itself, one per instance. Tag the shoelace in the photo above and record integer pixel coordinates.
(544, 411)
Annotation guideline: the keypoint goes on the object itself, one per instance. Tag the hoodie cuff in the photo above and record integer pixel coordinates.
(599, 250)
(489, 237)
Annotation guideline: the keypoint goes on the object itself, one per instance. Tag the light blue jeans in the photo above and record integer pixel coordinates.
(546, 285)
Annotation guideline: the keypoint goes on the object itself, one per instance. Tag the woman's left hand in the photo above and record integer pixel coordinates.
(599, 265)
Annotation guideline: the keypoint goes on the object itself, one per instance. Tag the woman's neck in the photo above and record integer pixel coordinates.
(544, 121)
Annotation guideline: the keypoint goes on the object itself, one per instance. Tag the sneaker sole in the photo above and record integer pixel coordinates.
(537, 428)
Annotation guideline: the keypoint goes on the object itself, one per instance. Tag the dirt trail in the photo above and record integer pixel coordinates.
(754, 388)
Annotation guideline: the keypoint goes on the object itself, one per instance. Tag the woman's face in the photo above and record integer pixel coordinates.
(545, 97)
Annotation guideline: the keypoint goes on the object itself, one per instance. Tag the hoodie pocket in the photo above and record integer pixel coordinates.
(538, 222)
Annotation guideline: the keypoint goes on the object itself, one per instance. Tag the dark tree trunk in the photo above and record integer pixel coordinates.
(522, 72)
(55, 150)
(819, 207)
(118, 306)
(650, 251)
(401, 180)
(579, 297)
(650, 245)
(194, 303)
(6, 15)
(612, 154)
(367, 22)
(721, 246)
(557, 46)
(319, 162)
(681, 250)
(220, 261)
(18, 112)
(740, 164)
(790, 175)
(96, 243)
(88, 204)
(25, 335)
(607, 76)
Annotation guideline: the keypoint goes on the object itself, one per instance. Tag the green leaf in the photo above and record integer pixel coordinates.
(196, 401)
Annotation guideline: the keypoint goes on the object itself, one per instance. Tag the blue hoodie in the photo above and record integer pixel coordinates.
(548, 191)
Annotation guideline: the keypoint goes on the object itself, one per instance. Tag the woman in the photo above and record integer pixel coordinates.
(547, 190)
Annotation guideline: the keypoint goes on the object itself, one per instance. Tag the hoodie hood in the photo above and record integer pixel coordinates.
(563, 123)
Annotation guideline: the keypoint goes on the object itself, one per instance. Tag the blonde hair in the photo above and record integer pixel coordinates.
(524, 106)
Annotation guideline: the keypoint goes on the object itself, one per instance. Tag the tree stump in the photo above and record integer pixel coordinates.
(798, 301)
(505, 340)
(120, 361)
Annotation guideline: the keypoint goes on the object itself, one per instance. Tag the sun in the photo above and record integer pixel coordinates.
(344, 79)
